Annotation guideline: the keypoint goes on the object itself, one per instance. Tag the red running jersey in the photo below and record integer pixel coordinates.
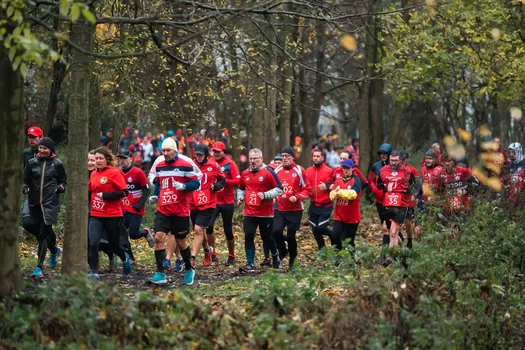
(233, 178)
(251, 184)
(396, 183)
(171, 201)
(347, 211)
(107, 180)
(295, 183)
(317, 175)
(204, 197)
(136, 181)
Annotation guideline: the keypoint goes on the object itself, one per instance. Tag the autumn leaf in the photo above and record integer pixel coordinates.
(465, 135)
(516, 113)
(349, 42)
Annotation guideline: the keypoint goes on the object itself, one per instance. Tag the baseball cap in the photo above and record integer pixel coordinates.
(35, 131)
(124, 153)
(348, 163)
(218, 146)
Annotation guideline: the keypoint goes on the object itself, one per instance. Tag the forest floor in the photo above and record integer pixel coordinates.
(209, 279)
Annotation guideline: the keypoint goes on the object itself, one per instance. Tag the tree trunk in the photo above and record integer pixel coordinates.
(365, 140)
(257, 130)
(75, 238)
(59, 73)
(286, 107)
(12, 141)
(94, 113)
(270, 132)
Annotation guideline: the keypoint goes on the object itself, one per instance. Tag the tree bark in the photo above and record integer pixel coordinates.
(75, 238)
(94, 113)
(257, 129)
(59, 73)
(286, 109)
(11, 155)
(270, 117)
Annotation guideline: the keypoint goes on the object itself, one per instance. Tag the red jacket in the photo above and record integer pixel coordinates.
(396, 186)
(230, 170)
(135, 180)
(252, 182)
(451, 183)
(347, 211)
(430, 177)
(173, 202)
(204, 198)
(107, 180)
(338, 173)
(317, 175)
(295, 183)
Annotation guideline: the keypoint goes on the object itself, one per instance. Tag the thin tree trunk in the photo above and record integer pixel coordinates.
(75, 238)
(286, 109)
(365, 140)
(95, 111)
(257, 130)
(270, 131)
(59, 73)
(12, 141)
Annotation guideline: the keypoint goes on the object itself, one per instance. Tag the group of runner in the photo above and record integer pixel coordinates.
(273, 196)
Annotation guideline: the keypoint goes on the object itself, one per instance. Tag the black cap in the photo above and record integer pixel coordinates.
(288, 150)
(404, 155)
(124, 153)
(47, 142)
(201, 148)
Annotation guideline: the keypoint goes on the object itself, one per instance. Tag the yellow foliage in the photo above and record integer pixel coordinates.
(349, 42)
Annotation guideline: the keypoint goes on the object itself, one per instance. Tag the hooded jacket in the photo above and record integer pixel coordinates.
(518, 163)
(45, 178)
(373, 174)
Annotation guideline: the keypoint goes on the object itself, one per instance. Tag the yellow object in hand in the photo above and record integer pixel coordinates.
(348, 194)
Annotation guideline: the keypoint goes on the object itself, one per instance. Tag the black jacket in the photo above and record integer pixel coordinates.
(29, 154)
(45, 179)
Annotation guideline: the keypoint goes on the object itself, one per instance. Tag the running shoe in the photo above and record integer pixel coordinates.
(126, 265)
(159, 278)
(150, 237)
(94, 275)
(231, 260)
(179, 264)
(189, 277)
(37, 273)
(53, 258)
(166, 264)
(207, 258)
(247, 268)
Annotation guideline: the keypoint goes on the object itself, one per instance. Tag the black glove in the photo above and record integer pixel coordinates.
(61, 189)
(380, 186)
(137, 207)
(217, 186)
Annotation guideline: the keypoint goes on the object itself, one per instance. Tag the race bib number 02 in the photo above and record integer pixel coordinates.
(287, 190)
(252, 198)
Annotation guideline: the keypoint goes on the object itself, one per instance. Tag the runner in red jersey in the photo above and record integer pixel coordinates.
(320, 210)
(411, 211)
(107, 187)
(384, 159)
(338, 171)
(347, 215)
(258, 187)
(133, 203)
(516, 182)
(396, 181)
(296, 188)
(177, 176)
(204, 201)
(225, 202)
(455, 181)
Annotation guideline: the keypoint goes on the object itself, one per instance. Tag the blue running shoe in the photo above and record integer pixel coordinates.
(37, 273)
(53, 258)
(126, 266)
(159, 278)
(179, 264)
(189, 277)
(94, 275)
(167, 263)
